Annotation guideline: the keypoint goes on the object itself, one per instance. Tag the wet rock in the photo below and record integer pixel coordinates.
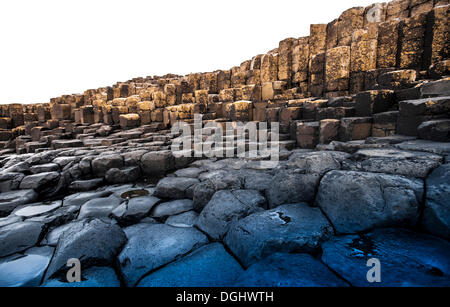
(291, 187)
(39, 181)
(37, 209)
(152, 245)
(358, 201)
(10, 200)
(99, 207)
(94, 242)
(91, 277)
(289, 270)
(394, 161)
(288, 228)
(124, 175)
(17, 237)
(133, 210)
(172, 208)
(436, 217)
(25, 270)
(226, 207)
(57, 217)
(257, 180)
(183, 220)
(206, 273)
(406, 258)
(175, 187)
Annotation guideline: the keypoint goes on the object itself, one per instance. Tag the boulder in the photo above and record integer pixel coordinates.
(226, 207)
(435, 130)
(102, 164)
(157, 163)
(359, 201)
(124, 175)
(289, 186)
(175, 187)
(288, 228)
(151, 246)
(19, 236)
(39, 181)
(208, 266)
(407, 258)
(92, 241)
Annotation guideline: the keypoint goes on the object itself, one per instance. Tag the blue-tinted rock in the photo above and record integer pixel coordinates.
(10, 200)
(406, 258)
(436, 217)
(287, 228)
(17, 237)
(151, 246)
(25, 270)
(172, 208)
(289, 270)
(208, 266)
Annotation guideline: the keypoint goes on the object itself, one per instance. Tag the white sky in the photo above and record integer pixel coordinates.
(53, 47)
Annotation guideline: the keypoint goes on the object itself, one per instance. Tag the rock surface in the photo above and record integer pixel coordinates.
(288, 228)
(407, 258)
(198, 269)
(358, 201)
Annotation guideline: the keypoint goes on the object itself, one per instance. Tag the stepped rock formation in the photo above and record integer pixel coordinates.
(362, 107)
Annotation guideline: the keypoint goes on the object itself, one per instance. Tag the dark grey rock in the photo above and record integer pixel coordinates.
(288, 228)
(37, 209)
(358, 201)
(10, 200)
(93, 242)
(226, 207)
(19, 236)
(39, 181)
(86, 185)
(394, 161)
(174, 187)
(124, 175)
(104, 163)
(292, 187)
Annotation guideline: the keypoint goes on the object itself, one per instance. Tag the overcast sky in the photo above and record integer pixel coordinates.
(55, 47)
